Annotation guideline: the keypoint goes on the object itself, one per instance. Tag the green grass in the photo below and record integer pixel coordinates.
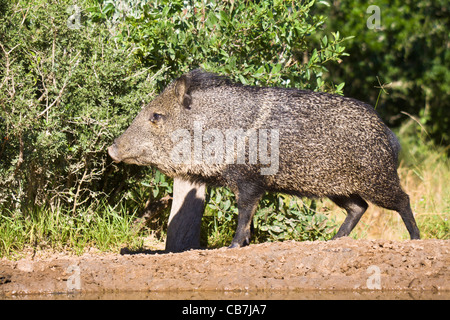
(434, 226)
(58, 230)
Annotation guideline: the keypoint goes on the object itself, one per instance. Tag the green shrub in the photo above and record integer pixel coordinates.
(262, 43)
(66, 94)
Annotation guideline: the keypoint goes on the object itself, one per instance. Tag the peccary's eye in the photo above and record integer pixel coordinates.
(155, 117)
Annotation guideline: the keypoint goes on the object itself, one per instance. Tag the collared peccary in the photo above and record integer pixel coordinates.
(206, 128)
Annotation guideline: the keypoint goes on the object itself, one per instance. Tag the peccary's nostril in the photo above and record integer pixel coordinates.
(114, 153)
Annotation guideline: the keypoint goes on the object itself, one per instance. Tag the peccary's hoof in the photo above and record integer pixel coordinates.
(239, 244)
(234, 245)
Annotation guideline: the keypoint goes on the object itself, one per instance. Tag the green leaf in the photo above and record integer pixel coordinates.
(324, 3)
(277, 68)
(242, 79)
(224, 16)
(212, 20)
(276, 229)
(155, 192)
(218, 197)
(165, 11)
(340, 86)
(226, 205)
(261, 70)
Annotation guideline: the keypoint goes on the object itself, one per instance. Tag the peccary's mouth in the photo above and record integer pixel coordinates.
(117, 157)
(114, 153)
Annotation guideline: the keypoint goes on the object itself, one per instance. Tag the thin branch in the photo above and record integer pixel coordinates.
(62, 89)
(416, 120)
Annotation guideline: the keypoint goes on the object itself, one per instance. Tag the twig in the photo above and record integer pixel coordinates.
(416, 120)
(137, 74)
(53, 54)
(61, 91)
(75, 201)
(54, 101)
(20, 160)
(8, 64)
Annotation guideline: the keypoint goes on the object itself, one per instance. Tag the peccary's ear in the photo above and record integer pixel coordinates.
(181, 89)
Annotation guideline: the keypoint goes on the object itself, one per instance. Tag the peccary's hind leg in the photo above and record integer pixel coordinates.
(247, 200)
(396, 199)
(355, 207)
(408, 218)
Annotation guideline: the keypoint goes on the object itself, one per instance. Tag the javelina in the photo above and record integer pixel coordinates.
(322, 145)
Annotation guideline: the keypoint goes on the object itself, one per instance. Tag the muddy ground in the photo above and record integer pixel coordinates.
(419, 267)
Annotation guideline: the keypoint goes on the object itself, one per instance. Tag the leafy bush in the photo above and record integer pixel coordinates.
(283, 217)
(262, 43)
(66, 93)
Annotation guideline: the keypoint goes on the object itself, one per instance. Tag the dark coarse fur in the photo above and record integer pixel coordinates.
(329, 146)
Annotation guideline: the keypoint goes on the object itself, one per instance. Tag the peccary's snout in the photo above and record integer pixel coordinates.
(114, 153)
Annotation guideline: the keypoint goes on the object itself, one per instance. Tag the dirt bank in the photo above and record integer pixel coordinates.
(346, 264)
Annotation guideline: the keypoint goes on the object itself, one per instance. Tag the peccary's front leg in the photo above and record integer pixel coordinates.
(247, 198)
(183, 230)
